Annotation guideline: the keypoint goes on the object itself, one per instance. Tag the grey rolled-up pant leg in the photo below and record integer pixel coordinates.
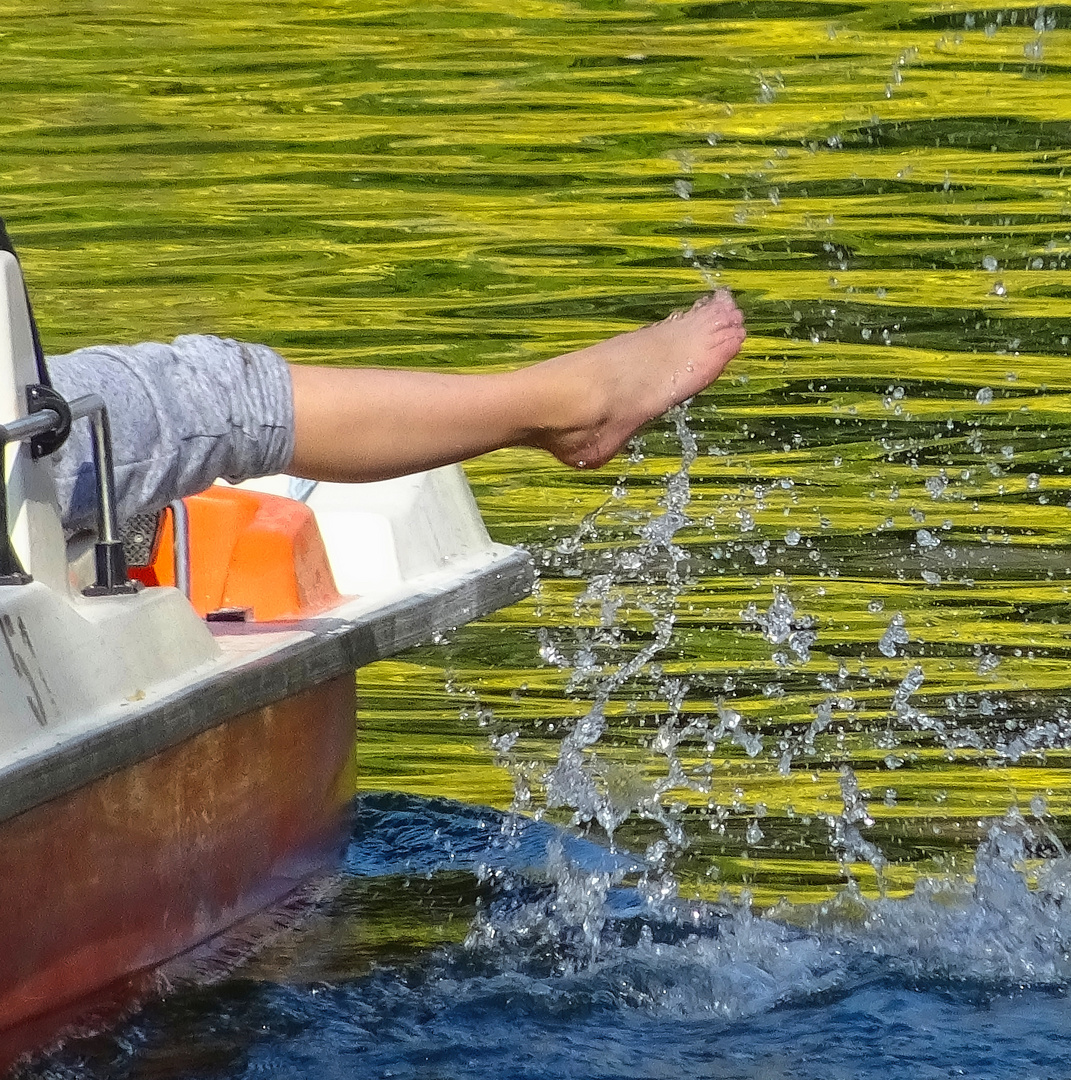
(182, 415)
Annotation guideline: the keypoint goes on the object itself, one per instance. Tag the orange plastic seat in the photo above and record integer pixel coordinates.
(248, 551)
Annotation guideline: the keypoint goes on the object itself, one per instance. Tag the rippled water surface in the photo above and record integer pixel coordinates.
(799, 650)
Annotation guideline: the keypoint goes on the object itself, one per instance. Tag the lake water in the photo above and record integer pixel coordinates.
(788, 717)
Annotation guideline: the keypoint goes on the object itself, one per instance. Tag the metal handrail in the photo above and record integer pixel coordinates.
(111, 566)
(180, 530)
(26, 427)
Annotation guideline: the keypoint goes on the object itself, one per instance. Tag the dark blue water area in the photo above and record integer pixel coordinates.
(460, 943)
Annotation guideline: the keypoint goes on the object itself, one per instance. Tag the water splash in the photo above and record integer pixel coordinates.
(781, 625)
(846, 838)
(1004, 924)
(586, 932)
(570, 939)
(601, 664)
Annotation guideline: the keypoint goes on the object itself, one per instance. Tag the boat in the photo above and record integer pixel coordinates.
(177, 739)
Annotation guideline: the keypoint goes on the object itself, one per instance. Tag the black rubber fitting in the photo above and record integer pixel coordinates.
(40, 397)
(111, 572)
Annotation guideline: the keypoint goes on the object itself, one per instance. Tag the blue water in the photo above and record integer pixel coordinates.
(560, 968)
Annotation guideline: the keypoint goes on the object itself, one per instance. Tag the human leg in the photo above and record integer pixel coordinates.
(355, 424)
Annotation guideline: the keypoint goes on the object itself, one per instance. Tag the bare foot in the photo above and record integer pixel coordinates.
(599, 396)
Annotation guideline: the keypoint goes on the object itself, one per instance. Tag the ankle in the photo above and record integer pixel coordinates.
(569, 406)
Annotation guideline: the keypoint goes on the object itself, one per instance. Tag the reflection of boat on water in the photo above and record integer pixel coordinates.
(170, 765)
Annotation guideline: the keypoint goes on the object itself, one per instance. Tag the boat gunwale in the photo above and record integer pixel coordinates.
(321, 648)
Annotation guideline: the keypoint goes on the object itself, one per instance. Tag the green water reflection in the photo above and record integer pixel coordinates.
(477, 184)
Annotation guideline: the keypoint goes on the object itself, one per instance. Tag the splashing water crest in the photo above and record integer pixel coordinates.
(587, 934)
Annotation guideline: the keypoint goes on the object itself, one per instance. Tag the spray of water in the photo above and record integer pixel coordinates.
(881, 699)
(602, 665)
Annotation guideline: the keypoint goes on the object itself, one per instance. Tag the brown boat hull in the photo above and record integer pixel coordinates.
(101, 885)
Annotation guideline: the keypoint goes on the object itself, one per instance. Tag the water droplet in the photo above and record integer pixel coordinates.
(984, 396)
(936, 485)
(990, 263)
(894, 635)
(781, 624)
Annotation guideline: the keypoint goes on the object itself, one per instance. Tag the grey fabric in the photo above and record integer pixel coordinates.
(182, 415)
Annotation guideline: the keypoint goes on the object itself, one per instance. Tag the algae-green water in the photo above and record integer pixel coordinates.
(851, 641)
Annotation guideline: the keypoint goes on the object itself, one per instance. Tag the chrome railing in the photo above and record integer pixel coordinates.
(180, 529)
(111, 568)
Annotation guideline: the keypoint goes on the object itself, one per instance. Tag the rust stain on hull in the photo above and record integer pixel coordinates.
(106, 882)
